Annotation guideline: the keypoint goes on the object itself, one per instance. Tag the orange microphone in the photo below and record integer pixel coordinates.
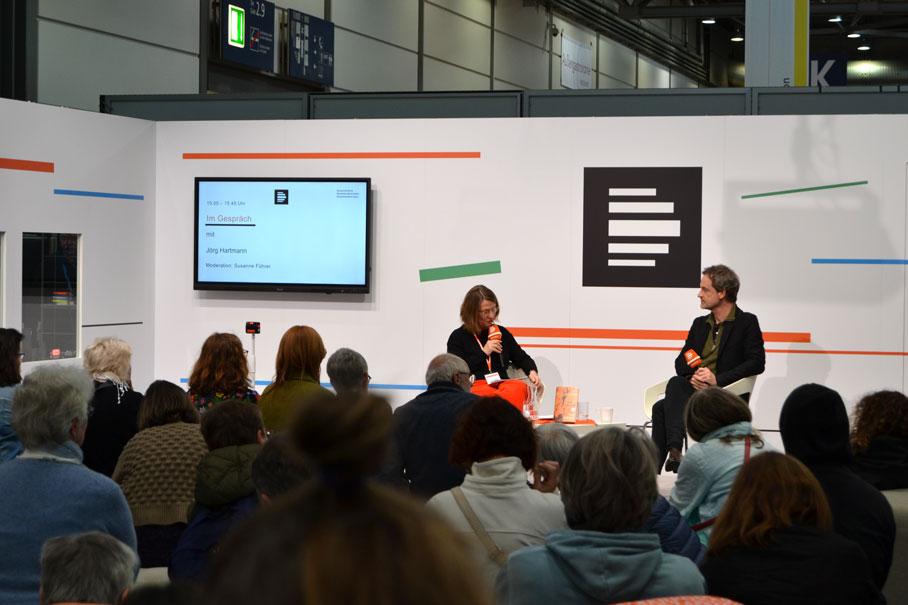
(494, 332)
(692, 358)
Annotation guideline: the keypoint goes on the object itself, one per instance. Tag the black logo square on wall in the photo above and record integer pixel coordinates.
(641, 227)
(282, 196)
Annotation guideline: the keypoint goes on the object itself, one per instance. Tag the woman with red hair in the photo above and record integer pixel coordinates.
(221, 373)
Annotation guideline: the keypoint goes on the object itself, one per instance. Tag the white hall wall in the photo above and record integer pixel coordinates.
(521, 203)
(90, 152)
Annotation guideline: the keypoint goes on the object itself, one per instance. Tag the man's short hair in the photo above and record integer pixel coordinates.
(231, 423)
(279, 467)
(46, 403)
(555, 441)
(93, 567)
(443, 367)
(346, 370)
(724, 280)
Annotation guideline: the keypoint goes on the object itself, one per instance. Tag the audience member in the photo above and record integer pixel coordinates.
(157, 470)
(773, 542)
(494, 508)
(555, 441)
(720, 424)
(342, 539)
(278, 468)
(86, 568)
(608, 486)
(47, 491)
(348, 372)
(10, 377)
(424, 426)
(224, 492)
(113, 416)
(178, 593)
(814, 427)
(297, 373)
(221, 373)
(879, 438)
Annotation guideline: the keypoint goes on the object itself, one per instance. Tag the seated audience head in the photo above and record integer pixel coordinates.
(165, 403)
(109, 359)
(221, 366)
(278, 468)
(608, 482)
(772, 491)
(306, 547)
(814, 426)
(555, 441)
(348, 372)
(10, 357)
(492, 428)
(233, 423)
(448, 368)
(299, 355)
(93, 567)
(711, 409)
(50, 407)
(880, 414)
(479, 309)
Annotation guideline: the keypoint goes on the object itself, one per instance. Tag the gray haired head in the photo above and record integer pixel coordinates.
(443, 367)
(348, 371)
(47, 402)
(555, 441)
(92, 567)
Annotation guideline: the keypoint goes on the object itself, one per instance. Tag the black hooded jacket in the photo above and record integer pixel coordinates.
(814, 427)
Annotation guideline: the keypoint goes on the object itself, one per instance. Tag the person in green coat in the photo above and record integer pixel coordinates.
(297, 375)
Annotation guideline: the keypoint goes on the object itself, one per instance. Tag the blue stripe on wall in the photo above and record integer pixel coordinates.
(374, 385)
(859, 261)
(115, 196)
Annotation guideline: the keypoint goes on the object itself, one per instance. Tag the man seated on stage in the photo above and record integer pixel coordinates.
(721, 347)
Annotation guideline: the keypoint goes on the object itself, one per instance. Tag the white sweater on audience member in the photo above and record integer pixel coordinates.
(513, 514)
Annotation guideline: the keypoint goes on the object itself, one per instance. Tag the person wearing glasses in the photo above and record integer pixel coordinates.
(10, 376)
(490, 350)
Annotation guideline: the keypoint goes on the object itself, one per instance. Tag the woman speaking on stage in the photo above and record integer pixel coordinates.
(489, 349)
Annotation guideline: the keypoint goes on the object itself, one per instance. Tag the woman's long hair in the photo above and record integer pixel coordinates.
(469, 309)
(221, 367)
(772, 491)
(300, 354)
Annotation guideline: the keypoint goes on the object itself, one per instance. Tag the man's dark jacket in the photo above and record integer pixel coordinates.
(741, 352)
(422, 433)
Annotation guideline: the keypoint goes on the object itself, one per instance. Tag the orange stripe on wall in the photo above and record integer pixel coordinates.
(640, 334)
(30, 165)
(675, 349)
(352, 155)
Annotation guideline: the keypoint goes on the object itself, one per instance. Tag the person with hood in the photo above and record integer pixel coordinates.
(608, 486)
(814, 427)
(879, 438)
(224, 491)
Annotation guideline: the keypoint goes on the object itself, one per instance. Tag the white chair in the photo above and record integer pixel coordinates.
(656, 392)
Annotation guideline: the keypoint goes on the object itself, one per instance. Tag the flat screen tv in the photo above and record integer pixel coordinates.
(282, 234)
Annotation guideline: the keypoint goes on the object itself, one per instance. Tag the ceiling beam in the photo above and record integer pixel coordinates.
(736, 9)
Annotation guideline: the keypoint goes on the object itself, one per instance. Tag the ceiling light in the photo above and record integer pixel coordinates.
(854, 35)
(865, 47)
(708, 21)
(836, 19)
(737, 38)
(865, 68)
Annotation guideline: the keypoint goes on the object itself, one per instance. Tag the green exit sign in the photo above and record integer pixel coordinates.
(236, 26)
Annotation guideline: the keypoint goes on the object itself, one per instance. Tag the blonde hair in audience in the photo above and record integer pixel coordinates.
(109, 357)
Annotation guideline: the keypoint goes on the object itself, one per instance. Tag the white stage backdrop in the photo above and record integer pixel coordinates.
(810, 211)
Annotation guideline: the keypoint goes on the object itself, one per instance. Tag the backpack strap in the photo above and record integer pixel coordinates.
(495, 554)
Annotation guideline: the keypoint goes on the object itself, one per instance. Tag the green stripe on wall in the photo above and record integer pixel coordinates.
(818, 188)
(455, 271)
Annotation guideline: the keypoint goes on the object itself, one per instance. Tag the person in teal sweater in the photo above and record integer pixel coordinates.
(47, 491)
(608, 486)
(296, 380)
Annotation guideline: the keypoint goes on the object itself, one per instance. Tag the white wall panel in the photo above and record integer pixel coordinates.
(171, 23)
(457, 40)
(502, 85)
(529, 23)
(651, 74)
(363, 64)
(76, 66)
(679, 80)
(520, 63)
(395, 21)
(442, 76)
(617, 61)
(609, 82)
(478, 10)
